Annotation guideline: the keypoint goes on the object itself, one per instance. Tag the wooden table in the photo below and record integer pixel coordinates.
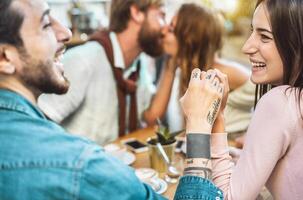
(142, 159)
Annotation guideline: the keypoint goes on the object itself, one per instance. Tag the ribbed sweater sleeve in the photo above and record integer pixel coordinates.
(267, 140)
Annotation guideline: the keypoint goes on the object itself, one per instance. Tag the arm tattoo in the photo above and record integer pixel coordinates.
(195, 75)
(198, 167)
(212, 113)
(189, 161)
(198, 145)
(198, 155)
(198, 171)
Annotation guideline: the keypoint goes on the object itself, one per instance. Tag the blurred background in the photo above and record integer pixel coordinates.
(85, 16)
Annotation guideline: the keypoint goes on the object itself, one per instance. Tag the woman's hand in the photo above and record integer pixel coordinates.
(224, 80)
(202, 101)
(219, 125)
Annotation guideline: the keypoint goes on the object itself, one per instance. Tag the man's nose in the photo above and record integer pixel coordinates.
(63, 34)
(165, 29)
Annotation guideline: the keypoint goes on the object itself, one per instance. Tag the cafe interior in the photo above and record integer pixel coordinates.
(133, 112)
(135, 148)
(161, 165)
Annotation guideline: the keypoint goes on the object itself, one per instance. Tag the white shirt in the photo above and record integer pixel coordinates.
(238, 110)
(90, 108)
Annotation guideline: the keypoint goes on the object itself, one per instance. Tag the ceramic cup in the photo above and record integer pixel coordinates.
(115, 150)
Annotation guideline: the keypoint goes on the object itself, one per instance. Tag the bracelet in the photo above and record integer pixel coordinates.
(197, 145)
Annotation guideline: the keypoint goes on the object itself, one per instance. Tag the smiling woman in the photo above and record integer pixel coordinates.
(262, 50)
(272, 149)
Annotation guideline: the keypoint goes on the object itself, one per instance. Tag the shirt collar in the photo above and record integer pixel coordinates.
(118, 55)
(12, 101)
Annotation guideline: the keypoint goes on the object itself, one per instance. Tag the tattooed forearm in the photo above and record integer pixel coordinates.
(198, 167)
(198, 145)
(212, 113)
(189, 161)
(198, 161)
(198, 171)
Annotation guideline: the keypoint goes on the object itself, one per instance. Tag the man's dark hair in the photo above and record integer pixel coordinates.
(10, 24)
(120, 12)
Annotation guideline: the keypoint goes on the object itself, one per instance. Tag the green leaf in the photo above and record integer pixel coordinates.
(163, 134)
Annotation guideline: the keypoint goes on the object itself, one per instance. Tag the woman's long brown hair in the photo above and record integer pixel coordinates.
(199, 35)
(286, 20)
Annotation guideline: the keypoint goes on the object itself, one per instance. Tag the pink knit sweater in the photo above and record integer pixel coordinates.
(272, 153)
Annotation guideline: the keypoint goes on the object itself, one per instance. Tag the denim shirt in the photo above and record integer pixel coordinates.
(40, 161)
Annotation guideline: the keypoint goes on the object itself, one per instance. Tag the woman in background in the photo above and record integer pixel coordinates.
(194, 39)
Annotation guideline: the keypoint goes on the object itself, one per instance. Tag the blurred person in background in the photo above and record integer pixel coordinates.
(38, 158)
(194, 39)
(109, 87)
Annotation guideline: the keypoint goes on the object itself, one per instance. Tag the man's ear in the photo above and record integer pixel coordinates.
(7, 55)
(136, 14)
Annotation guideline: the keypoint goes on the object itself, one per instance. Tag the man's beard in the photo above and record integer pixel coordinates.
(150, 40)
(39, 76)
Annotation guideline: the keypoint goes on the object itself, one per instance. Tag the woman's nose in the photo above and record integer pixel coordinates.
(250, 46)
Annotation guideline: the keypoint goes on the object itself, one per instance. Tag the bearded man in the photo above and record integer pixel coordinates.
(110, 89)
(38, 158)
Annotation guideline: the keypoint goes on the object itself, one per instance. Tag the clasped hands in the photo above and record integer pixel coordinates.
(204, 100)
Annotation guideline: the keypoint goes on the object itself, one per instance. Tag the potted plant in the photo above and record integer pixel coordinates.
(167, 140)
(164, 136)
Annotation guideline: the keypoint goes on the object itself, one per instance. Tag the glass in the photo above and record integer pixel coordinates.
(178, 164)
(156, 160)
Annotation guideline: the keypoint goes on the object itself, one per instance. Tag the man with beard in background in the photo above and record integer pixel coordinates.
(38, 158)
(109, 87)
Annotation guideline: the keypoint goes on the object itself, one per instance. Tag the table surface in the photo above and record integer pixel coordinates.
(142, 159)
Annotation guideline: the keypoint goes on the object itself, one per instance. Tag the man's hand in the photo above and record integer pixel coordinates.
(202, 101)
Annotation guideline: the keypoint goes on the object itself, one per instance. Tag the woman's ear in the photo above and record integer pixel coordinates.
(136, 14)
(6, 57)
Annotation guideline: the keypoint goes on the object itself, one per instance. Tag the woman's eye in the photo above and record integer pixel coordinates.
(265, 38)
(47, 25)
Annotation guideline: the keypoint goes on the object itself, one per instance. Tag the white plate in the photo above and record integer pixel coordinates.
(157, 184)
(163, 186)
(120, 153)
(128, 158)
(146, 173)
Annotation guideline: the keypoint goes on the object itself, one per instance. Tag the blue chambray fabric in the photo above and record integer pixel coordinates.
(197, 188)
(40, 161)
